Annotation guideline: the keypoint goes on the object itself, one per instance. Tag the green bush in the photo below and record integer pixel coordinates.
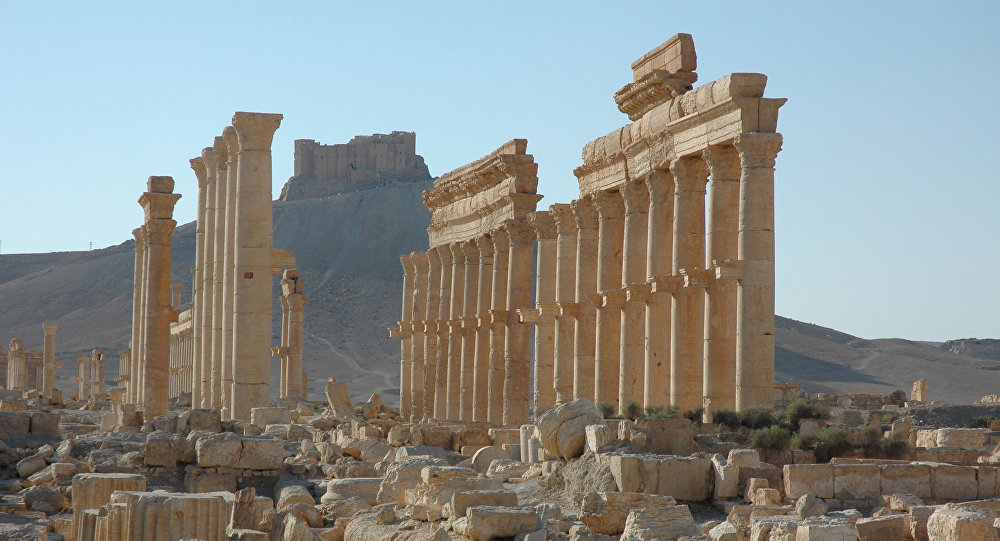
(727, 418)
(607, 409)
(831, 442)
(870, 440)
(757, 417)
(773, 438)
(889, 418)
(803, 443)
(980, 422)
(660, 412)
(694, 416)
(798, 410)
(631, 410)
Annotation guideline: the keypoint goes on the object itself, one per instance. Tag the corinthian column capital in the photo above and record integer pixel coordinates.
(562, 215)
(232, 144)
(690, 174)
(585, 213)
(211, 160)
(200, 171)
(221, 153)
(723, 162)
(758, 149)
(660, 184)
(160, 231)
(255, 131)
(543, 223)
(636, 197)
(610, 205)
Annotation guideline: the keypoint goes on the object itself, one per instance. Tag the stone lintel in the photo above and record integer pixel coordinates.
(418, 326)
(728, 269)
(568, 309)
(675, 55)
(548, 309)
(529, 315)
(665, 284)
(281, 259)
(499, 316)
(430, 326)
(637, 292)
(396, 332)
(697, 277)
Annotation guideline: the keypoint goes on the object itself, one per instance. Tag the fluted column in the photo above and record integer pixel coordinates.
(475, 332)
(720, 305)
(659, 273)
(158, 203)
(443, 326)
(544, 227)
(252, 255)
(755, 293)
(218, 256)
(456, 342)
(687, 315)
(498, 326)
(406, 337)
(516, 389)
(585, 330)
(132, 384)
(419, 311)
(229, 267)
(49, 360)
(631, 373)
(610, 298)
(211, 396)
(430, 331)
(565, 299)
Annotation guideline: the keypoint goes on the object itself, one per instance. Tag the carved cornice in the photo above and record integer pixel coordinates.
(638, 98)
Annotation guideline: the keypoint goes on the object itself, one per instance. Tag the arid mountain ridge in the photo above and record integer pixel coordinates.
(347, 248)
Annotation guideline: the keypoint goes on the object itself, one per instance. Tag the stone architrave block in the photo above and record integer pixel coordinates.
(606, 512)
(955, 483)
(906, 479)
(487, 522)
(814, 479)
(686, 479)
(598, 435)
(856, 482)
(462, 501)
(960, 525)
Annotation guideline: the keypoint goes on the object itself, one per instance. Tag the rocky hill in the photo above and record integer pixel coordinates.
(976, 347)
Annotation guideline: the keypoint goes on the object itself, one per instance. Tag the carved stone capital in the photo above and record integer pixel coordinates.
(49, 328)
(758, 150)
(198, 165)
(407, 263)
(221, 153)
(562, 216)
(660, 185)
(610, 205)
(636, 197)
(517, 232)
(501, 241)
(232, 144)
(444, 254)
(158, 206)
(421, 262)
(140, 237)
(255, 131)
(690, 174)
(474, 248)
(723, 162)
(544, 224)
(457, 253)
(159, 232)
(585, 213)
(211, 160)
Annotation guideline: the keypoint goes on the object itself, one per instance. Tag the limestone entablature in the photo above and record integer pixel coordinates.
(479, 197)
(366, 161)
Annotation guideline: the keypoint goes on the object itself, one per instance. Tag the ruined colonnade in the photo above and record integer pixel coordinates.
(655, 287)
(181, 353)
(293, 301)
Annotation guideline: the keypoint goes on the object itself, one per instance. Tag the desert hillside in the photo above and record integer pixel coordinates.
(347, 248)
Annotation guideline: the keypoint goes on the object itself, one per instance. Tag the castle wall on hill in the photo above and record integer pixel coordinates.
(366, 161)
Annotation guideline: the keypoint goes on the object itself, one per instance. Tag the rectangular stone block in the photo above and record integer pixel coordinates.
(965, 438)
(461, 501)
(856, 482)
(987, 478)
(14, 425)
(222, 449)
(625, 470)
(956, 483)
(906, 479)
(887, 528)
(686, 479)
(815, 479)
(267, 416)
(259, 453)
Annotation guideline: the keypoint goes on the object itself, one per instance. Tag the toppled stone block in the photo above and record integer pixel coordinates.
(562, 429)
(766, 496)
(30, 465)
(748, 458)
(948, 524)
(365, 488)
(430, 435)
(686, 478)
(506, 469)
(667, 523)
(815, 479)
(890, 527)
(286, 431)
(810, 506)
(965, 438)
(488, 522)
(441, 474)
(606, 512)
(293, 493)
(162, 448)
(340, 399)
(207, 419)
(221, 449)
(270, 416)
(667, 436)
(59, 473)
(14, 425)
(485, 456)
(404, 474)
(462, 501)
(45, 425)
(727, 478)
(598, 436)
(372, 407)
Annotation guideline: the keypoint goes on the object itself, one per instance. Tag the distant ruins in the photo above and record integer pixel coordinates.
(637, 301)
(364, 162)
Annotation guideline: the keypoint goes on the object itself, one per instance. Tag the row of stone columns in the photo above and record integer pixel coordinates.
(294, 382)
(232, 275)
(90, 374)
(17, 369)
(181, 354)
(465, 352)
(153, 312)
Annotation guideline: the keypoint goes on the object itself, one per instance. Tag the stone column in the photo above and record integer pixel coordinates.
(82, 377)
(16, 375)
(218, 258)
(212, 396)
(585, 331)
(3, 368)
(631, 374)
(282, 351)
(158, 203)
(123, 367)
(517, 350)
(659, 272)
(610, 297)
(229, 267)
(443, 326)
(471, 329)
(544, 319)
(406, 337)
(431, 330)
(49, 366)
(419, 310)
(755, 293)
(720, 306)
(139, 361)
(456, 338)
(498, 327)
(484, 328)
(252, 255)
(132, 384)
(97, 357)
(688, 312)
(199, 367)
(565, 298)
(292, 289)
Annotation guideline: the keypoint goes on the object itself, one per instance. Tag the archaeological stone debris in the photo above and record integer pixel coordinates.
(598, 370)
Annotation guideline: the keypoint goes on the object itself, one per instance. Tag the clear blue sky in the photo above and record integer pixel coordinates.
(887, 188)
